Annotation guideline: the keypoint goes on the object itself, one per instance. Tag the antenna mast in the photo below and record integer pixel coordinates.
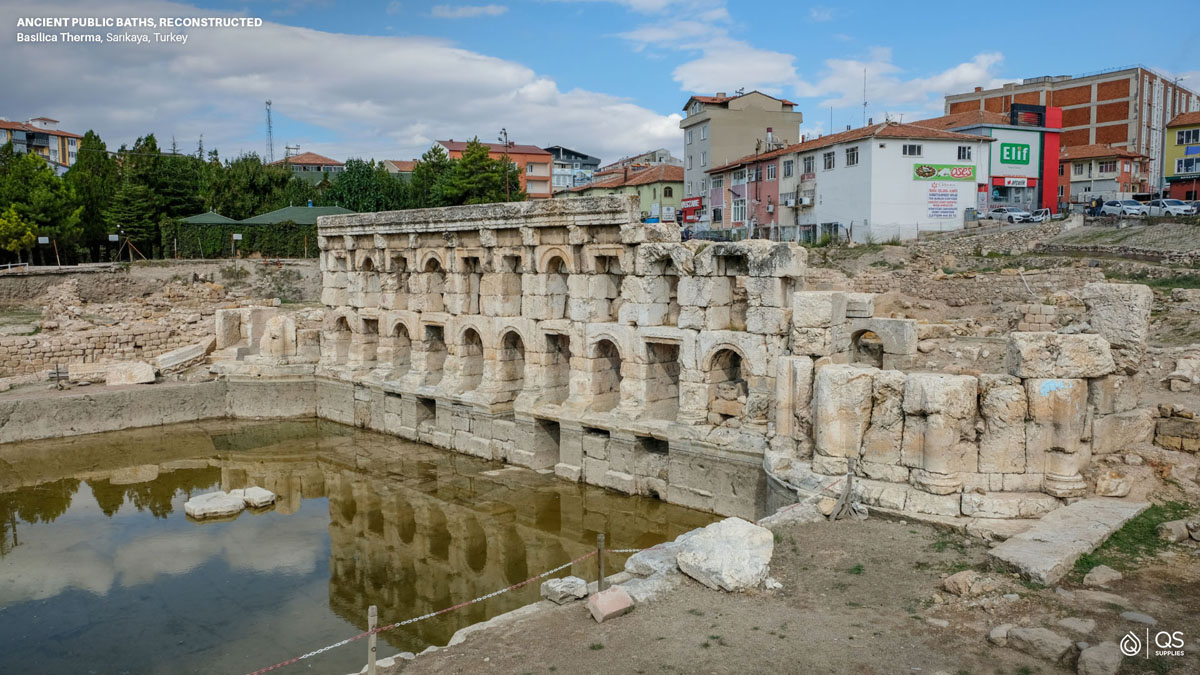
(270, 137)
(864, 97)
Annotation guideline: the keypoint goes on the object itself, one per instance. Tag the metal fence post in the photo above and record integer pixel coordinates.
(372, 624)
(600, 586)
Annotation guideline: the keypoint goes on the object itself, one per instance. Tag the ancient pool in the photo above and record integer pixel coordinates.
(101, 571)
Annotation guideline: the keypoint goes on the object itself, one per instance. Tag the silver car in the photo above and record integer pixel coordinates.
(1123, 207)
(1012, 214)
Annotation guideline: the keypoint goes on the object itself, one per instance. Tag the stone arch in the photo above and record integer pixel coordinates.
(512, 364)
(367, 264)
(469, 353)
(336, 337)
(605, 361)
(431, 261)
(401, 345)
(548, 255)
(663, 283)
(727, 388)
(866, 347)
(557, 270)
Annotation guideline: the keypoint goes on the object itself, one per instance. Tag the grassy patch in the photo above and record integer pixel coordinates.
(857, 569)
(695, 612)
(595, 646)
(1176, 281)
(946, 541)
(1136, 540)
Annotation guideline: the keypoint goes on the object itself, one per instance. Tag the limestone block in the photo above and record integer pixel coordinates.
(257, 498)
(214, 505)
(129, 372)
(884, 436)
(860, 305)
(1102, 659)
(730, 555)
(842, 398)
(229, 327)
(936, 505)
(564, 590)
(87, 372)
(768, 320)
(182, 356)
(899, 336)
(768, 292)
(818, 309)
(1120, 313)
(1121, 431)
(1008, 504)
(939, 427)
(793, 396)
(1041, 642)
(279, 339)
(1113, 483)
(1002, 406)
(1054, 355)
(1113, 393)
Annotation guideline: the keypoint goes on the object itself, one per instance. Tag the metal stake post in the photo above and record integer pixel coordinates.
(372, 624)
(600, 586)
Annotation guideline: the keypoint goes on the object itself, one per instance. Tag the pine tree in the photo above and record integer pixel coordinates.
(132, 212)
(429, 180)
(94, 177)
(42, 199)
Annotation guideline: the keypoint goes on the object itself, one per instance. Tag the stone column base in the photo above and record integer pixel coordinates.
(936, 483)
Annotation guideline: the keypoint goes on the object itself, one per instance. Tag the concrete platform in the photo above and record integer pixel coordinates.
(1047, 551)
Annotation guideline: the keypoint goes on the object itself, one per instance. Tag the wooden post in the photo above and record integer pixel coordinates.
(600, 562)
(306, 246)
(372, 624)
(57, 262)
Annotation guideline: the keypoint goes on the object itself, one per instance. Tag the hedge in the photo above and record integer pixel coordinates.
(279, 240)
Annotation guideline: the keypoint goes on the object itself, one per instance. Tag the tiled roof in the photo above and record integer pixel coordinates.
(21, 126)
(308, 159)
(969, 118)
(401, 165)
(661, 173)
(883, 130)
(498, 148)
(1185, 119)
(714, 100)
(1095, 150)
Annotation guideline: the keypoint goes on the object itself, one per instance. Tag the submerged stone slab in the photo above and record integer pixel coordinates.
(1048, 550)
(214, 505)
(257, 498)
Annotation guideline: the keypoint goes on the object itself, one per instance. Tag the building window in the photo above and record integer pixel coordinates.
(689, 135)
(739, 177)
(688, 190)
(70, 142)
(718, 215)
(576, 165)
(704, 132)
(788, 167)
(703, 158)
(529, 169)
(1187, 136)
(1108, 166)
(828, 160)
(668, 191)
(964, 153)
(739, 210)
(1078, 169)
(852, 156)
(73, 156)
(770, 172)
(810, 164)
(689, 162)
(1060, 169)
(911, 150)
(696, 108)
(718, 182)
(1060, 191)
(1188, 165)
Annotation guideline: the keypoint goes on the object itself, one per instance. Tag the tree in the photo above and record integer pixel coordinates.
(41, 199)
(94, 178)
(430, 175)
(133, 213)
(16, 234)
(479, 179)
(366, 186)
(246, 187)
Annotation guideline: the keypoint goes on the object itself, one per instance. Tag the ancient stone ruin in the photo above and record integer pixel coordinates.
(567, 335)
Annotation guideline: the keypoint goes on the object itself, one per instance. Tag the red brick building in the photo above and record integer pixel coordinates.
(534, 163)
(1088, 171)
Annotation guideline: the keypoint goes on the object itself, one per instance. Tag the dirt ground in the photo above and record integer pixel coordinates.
(855, 599)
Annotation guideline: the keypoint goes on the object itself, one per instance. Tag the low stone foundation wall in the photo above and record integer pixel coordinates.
(21, 355)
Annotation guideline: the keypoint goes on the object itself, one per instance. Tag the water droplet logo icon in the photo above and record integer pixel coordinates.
(1131, 645)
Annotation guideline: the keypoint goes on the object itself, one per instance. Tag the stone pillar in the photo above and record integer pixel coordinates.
(939, 430)
(841, 413)
(1058, 420)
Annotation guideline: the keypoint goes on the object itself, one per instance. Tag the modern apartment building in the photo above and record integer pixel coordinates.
(42, 136)
(402, 167)
(645, 159)
(659, 189)
(311, 167)
(534, 163)
(571, 167)
(1183, 156)
(1125, 108)
(719, 129)
(1090, 171)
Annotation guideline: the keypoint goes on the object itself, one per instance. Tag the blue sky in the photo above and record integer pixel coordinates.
(385, 78)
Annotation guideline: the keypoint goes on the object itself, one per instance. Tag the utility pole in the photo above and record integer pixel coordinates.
(504, 139)
(270, 136)
(864, 122)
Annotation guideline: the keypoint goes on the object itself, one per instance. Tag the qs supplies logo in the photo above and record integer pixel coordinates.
(1165, 643)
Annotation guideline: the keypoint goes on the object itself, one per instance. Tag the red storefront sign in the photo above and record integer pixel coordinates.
(1014, 181)
(690, 208)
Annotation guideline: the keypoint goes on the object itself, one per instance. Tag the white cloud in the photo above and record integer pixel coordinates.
(362, 96)
(467, 11)
(726, 65)
(820, 14)
(395, 7)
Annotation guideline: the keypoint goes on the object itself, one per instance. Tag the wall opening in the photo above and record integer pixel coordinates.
(866, 348)
(426, 413)
(651, 464)
(401, 349)
(368, 342)
(341, 339)
(398, 283)
(435, 353)
(470, 360)
(727, 389)
(512, 364)
(435, 284)
(556, 287)
(546, 435)
(472, 271)
(557, 369)
(608, 291)
(662, 380)
(739, 306)
(510, 266)
(606, 377)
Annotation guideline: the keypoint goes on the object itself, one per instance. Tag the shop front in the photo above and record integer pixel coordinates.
(690, 208)
(1019, 191)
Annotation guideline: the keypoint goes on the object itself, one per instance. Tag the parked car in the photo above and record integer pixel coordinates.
(1170, 207)
(1040, 216)
(1123, 207)
(1012, 214)
(1195, 206)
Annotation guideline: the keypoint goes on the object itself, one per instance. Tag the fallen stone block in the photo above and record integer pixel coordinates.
(658, 559)
(87, 372)
(1048, 550)
(1193, 527)
(1041, 642)
(1113, 483)
(564, 590)
(214, 505)
(1139, 617)
(999, 635)
(177, 358)
(1102, 659)
(1078, 625)
(257, 498)
(969, 584)
(730, 555)
(609, 604)
(794, 514)
(1173, 531)
(129, 372)
(651, 588)
(1056, 355)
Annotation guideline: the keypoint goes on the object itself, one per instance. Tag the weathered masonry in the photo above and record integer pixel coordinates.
(568, 336)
